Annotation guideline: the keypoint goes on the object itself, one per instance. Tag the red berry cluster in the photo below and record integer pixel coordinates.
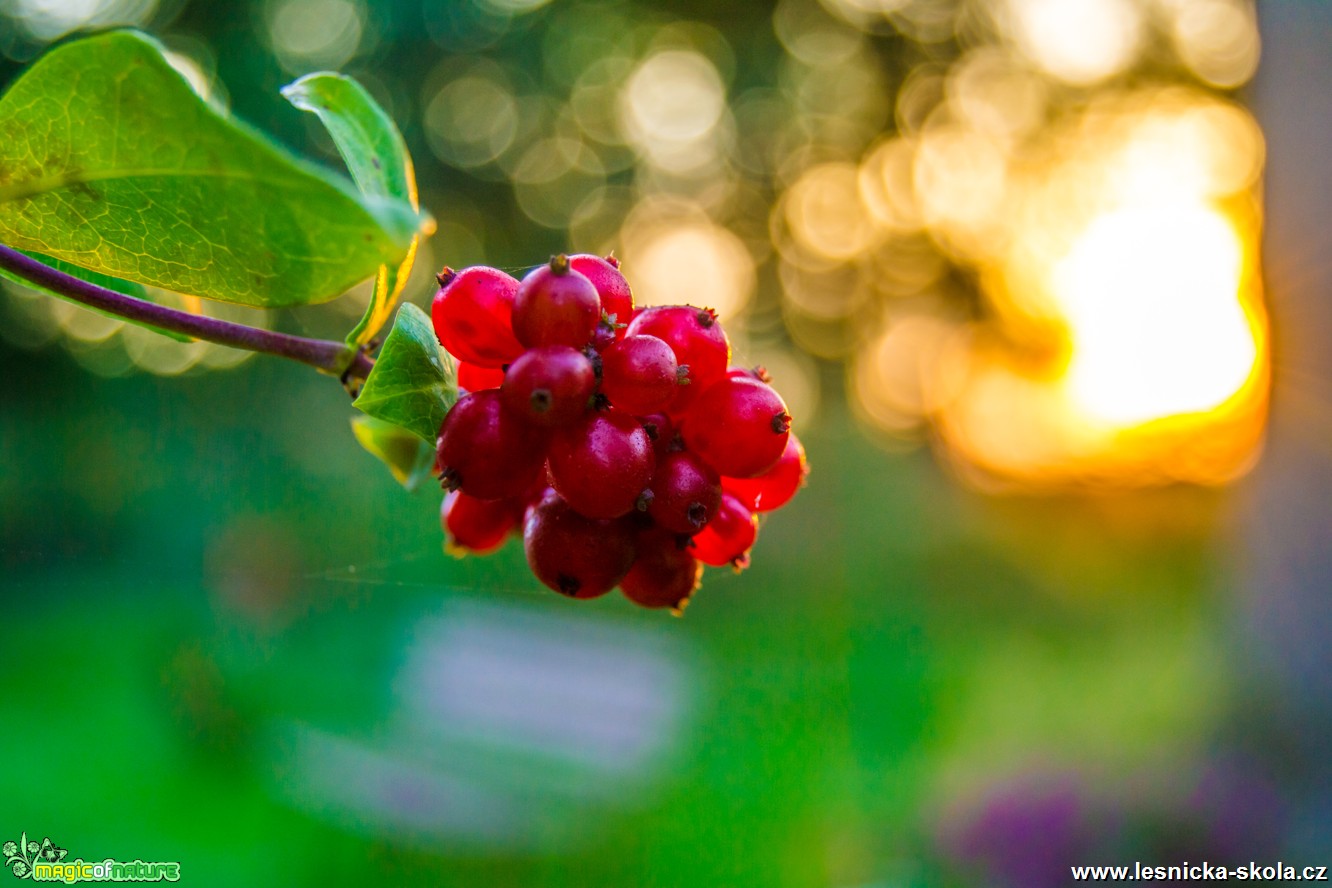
(619, 439)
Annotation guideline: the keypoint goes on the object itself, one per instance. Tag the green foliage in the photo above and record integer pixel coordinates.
(365, 135)
(413, 383)
(110, 161)
(377, 158)
(129, 288)
(408, 457)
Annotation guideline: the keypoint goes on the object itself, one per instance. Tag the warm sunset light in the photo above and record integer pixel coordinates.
(1156, 328)
(1122, 341)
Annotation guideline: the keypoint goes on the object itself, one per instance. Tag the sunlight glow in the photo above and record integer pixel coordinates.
(1155, 326)
(1123, 340)
(1130, 265)
(1078, 41)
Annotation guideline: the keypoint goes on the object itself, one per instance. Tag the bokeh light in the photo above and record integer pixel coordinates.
(671, 106)
(311, 34)
(46, 20)
(676, 255)
(1052, 270)
(1077, 41)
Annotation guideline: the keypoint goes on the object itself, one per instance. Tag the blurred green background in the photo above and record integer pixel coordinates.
(231, 640)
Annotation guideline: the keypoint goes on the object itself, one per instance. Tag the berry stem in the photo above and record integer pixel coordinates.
(335, 358)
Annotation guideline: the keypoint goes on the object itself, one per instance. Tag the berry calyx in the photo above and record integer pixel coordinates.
(739, 426)
(685, 493)
(758, 372)
(485, 452)
(556, 305)
(602, 463)
(775, 487)
(617, 300)
(728, 537)
(661, 431)
(664, 574)
(575, 555)
(639, 374)
(473, 316)
(549, 386)
(605, 335)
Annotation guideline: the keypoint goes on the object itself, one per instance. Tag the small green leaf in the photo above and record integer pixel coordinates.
(413, 383)
(109, 160)
(128, 288)
(377, 158)
(408, 457)
(365, 135)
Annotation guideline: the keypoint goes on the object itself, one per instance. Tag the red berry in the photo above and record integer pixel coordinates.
(574, 555)
(556, 305)
(696, 337)
(775, 487)
(739, 426)
(484, 451)
(472, 314)
(728, 537)
(617, 300)
(639, 374)
(549, 386)
(602, 463)
(664, 573)
(685, 493)
(477, 525)
(473, 378)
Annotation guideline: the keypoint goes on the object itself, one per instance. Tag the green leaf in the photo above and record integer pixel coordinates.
(377, 158)
(408, 457)
(413, 383)
(365, 135)
(129, 288)
(109, 160)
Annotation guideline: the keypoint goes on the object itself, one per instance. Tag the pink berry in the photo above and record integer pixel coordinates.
(739, 426)
(549, 386)
(484, 451)
(728, 537)
(575, 555)
(696, 337)
(664, 574)
(602, 463)
(472, 314)
(639, 374)
(685, 493)
(617, 300)
(775, 487)
(556, 305)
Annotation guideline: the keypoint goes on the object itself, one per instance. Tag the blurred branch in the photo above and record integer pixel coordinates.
(335, 358)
